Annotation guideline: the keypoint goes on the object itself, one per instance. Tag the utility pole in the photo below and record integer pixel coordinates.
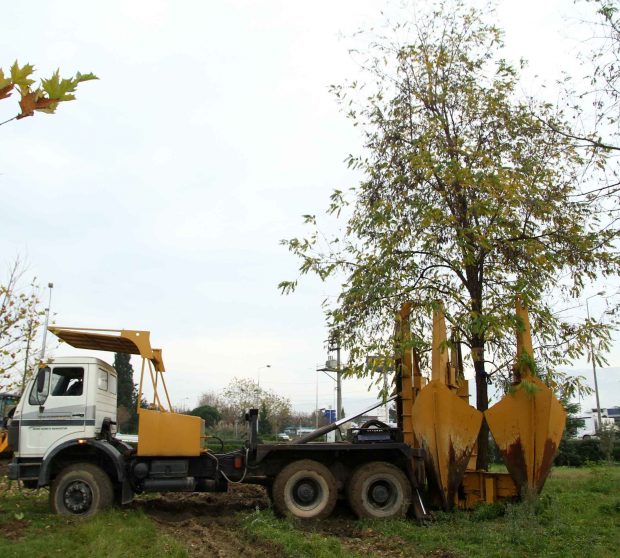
(598, 403)
(334, 345)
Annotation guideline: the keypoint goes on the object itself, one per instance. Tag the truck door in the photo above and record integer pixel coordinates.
(62, 416)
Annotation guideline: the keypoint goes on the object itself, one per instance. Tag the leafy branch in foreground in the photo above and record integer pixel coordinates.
(43, 98)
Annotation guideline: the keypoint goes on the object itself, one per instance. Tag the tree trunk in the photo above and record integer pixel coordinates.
(482, 404)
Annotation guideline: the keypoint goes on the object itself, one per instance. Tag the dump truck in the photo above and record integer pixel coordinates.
(64, 436)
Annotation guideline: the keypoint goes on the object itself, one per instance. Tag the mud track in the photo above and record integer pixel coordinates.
(208, 524)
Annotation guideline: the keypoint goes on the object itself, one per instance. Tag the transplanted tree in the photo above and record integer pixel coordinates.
(467, 198)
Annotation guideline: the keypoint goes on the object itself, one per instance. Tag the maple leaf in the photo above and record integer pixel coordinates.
(20, 76)
(27, 103)
(35, 100)
(6, 85)
(62, 89)
(85, 77)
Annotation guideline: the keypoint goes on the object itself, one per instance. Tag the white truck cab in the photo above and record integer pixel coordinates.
(78, 400)
(70, 403)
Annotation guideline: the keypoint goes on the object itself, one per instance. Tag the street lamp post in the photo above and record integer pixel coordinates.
(598, 403)
(50, 286)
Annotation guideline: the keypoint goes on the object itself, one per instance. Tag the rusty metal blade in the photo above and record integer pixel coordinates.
(527, 425)
(447, 428)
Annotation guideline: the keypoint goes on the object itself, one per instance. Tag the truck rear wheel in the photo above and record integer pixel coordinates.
(379, 490)
(305, 489)
(81, 490)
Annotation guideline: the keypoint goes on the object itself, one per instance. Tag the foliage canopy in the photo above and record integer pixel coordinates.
(468, 197)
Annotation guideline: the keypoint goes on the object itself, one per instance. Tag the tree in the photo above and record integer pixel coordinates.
(243, 393)
(127, 393)
(573, 422)
(265, 427)
(45, 97)
(597, 100)
(467, 198)
(209, 414)
(20, 319)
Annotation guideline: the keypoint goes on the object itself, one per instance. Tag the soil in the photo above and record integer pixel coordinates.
(210, 527)
(208, 524)
(14, 530)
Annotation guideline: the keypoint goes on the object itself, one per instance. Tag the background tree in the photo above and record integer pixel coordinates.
(573, 421)
(127, 394)
(243, 393)
(20, 319)
(265, 428)
(43, 98)
(468, 198)
(228, 414)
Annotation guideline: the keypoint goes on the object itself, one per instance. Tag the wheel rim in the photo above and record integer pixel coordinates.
(382, 494)
(306, 492)
(78, 497)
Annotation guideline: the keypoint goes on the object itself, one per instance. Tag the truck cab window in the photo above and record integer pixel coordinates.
(33, 399)
(67, 381)
(102, 380)
(112, 384)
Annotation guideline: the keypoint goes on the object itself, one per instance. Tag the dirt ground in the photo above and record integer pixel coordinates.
(210, 527)
(207, 523)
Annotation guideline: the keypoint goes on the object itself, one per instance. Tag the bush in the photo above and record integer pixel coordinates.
(575, 453)
(209, 414)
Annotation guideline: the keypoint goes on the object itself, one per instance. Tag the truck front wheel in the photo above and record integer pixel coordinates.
(379, 490)
(305, 489)
(81, 490)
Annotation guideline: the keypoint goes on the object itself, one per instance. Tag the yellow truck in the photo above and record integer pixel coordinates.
(63, 435)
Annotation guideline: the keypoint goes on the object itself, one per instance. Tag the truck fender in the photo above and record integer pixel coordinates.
(108, 450)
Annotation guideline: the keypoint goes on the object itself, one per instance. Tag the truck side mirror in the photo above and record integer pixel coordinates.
(42, 384)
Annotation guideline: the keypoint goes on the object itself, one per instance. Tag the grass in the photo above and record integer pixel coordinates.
(27, 528)
(293, 541)
(577, 515)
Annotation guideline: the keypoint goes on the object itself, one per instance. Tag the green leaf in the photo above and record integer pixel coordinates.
(21, 76)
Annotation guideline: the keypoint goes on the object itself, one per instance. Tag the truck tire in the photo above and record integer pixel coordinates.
(379, 490)
(81, 490)
(305, 489)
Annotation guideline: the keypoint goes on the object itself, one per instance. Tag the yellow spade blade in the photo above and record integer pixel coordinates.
(447, 429)
(527, 426)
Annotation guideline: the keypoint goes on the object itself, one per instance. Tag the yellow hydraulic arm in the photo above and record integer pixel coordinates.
(161, 432)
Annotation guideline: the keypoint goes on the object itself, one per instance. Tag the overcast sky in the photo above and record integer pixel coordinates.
(157, 199)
